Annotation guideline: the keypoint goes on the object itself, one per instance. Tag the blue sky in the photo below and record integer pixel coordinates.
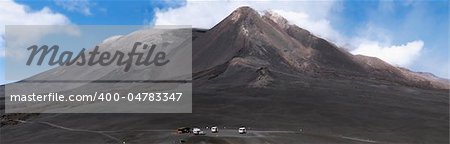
(103, 12)
(412, 34)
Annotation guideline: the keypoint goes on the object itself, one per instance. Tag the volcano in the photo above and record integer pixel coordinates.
(248, 40)
(260, 71)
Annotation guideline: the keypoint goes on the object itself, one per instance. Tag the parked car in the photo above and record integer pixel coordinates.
(242, 130)
(214, 129)
(196, 131)
(183, 130)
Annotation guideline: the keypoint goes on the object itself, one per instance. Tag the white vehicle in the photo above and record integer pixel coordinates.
(214, 129)
(242, 130)
(196, 131)
(201, 133)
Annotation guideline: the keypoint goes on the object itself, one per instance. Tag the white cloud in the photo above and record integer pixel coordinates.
(12, 13)
(81, 6)
(319, 27)
(399, 55)
(197, 14)
(374, 41)
(204, 14)
(313, 16)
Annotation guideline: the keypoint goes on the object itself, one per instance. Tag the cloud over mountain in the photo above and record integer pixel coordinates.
(400, 55)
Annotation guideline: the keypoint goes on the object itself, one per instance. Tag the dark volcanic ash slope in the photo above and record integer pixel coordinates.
(247, 39)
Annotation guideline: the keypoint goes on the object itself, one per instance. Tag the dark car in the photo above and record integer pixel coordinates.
(183, 130)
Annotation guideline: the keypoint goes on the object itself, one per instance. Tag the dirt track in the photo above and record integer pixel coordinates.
(224, 136)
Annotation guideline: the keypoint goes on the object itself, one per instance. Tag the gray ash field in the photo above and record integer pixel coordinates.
(324, 113)
(281, 82)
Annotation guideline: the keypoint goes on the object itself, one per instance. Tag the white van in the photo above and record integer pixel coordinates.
(196, 131)
(214, 129)
(242, 130)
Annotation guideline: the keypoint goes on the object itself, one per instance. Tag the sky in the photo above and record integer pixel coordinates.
(410, 34)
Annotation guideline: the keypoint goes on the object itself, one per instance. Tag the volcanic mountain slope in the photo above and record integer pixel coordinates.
(259, 71)
(247, 39)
